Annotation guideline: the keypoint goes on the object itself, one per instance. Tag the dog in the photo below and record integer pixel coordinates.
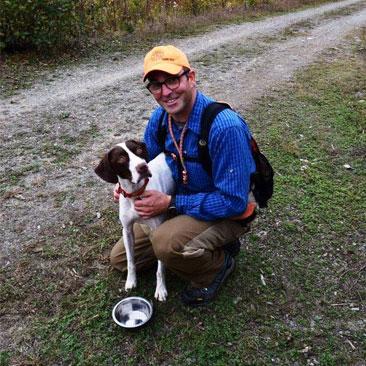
(126, 164)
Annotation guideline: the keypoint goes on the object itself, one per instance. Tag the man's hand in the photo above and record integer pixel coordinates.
(115, 193)
(152, 203)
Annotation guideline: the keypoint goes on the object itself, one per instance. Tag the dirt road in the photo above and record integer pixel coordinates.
(53, 133)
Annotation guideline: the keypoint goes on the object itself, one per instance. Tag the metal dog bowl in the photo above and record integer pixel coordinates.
(132, 312)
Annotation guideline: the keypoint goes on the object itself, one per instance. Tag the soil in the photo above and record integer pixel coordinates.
(53, 133)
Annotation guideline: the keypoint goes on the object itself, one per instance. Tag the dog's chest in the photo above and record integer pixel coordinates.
(161, 181)
(127, 212)
(128, 215)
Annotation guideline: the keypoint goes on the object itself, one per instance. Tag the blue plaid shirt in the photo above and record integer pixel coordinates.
(205, 197)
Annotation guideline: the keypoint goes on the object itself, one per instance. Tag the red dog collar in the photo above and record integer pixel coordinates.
(139, 192)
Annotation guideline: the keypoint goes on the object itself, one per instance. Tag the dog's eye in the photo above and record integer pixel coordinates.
(139, 151)
(122, 159)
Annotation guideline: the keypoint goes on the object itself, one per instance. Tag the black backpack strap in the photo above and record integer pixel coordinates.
(261, 180)
(208, 116)
(162, 131)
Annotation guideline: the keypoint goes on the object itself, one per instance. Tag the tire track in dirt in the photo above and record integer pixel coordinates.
(86, 80)
(278, 64)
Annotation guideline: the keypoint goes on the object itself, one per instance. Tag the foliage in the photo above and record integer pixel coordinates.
(38, 23)
(43, 24)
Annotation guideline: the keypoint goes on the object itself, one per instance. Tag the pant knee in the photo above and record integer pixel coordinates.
(116, 257)
(113, 261)
(164, 245)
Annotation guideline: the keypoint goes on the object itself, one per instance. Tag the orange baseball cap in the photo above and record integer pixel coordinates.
(165, 58)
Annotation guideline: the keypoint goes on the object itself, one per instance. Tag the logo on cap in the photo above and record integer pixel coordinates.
(157, 56)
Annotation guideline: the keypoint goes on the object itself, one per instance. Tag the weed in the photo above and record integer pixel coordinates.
(4, 358)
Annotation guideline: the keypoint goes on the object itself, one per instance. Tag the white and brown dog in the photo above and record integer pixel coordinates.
(126, 164)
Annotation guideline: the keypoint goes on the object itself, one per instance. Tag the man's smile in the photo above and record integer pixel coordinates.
(171, 101)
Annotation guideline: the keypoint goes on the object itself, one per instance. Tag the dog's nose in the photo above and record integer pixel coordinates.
(142, 169)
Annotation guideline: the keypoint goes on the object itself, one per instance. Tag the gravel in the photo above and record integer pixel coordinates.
(52, 134)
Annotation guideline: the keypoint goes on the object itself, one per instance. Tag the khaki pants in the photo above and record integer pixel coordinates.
(188, 247)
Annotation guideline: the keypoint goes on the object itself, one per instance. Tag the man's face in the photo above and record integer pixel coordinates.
(178, 102)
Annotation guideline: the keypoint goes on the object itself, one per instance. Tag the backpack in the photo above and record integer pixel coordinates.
(261, 181)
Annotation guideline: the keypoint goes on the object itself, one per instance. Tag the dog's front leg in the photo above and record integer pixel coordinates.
(161, 292)
(128, 240)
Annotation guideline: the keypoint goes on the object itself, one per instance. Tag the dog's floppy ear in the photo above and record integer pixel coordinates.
(105, 171)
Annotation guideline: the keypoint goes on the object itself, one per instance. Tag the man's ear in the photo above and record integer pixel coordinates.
(105, 171)
(192, 77)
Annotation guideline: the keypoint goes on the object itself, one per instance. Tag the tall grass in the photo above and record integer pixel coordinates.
(46, 24)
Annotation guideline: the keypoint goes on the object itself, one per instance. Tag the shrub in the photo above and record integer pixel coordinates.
(38, 23)
(45, 24)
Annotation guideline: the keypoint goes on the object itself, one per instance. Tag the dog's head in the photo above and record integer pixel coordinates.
(127, 161)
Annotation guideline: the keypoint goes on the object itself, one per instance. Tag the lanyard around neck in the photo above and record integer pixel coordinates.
(179, 147)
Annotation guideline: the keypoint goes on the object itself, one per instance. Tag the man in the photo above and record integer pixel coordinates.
(198, 243)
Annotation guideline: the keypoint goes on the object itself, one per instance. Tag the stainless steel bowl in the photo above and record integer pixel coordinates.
(132, 312)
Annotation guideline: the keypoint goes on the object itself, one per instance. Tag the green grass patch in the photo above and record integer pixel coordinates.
(4, 358)
(298, 294)
(322, 135)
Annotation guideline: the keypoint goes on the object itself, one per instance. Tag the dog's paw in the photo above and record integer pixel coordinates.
(161, 293)
(130, 282)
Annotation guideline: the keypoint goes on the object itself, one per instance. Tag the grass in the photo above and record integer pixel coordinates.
(308, 247)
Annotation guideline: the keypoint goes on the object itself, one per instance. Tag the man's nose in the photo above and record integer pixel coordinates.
(165, 91)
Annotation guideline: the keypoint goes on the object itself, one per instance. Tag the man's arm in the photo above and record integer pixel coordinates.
(232, 165)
